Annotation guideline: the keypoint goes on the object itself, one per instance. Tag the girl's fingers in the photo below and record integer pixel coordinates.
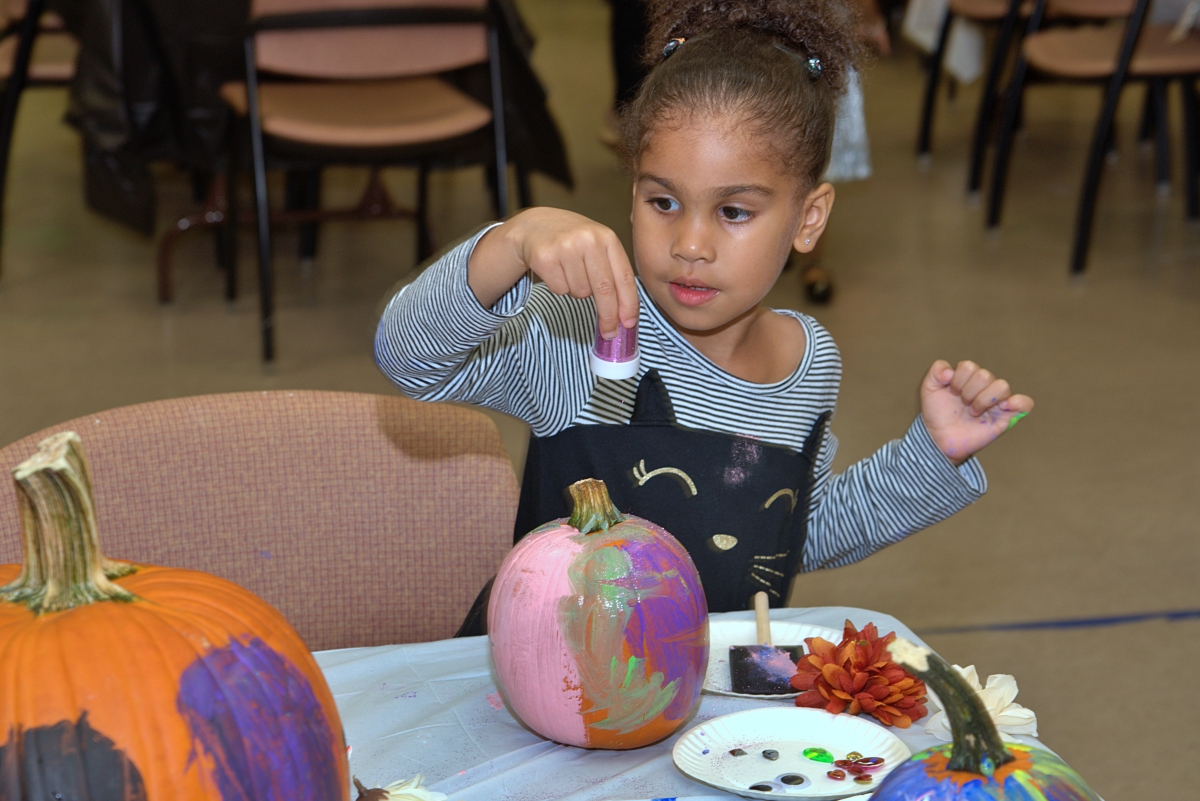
(992, 395)
(962, 374)
(624, 281)
(938, 376)
(1018, 404)
(604, 291)
(979, 381)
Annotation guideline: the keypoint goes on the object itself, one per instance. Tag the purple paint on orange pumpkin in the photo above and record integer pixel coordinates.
(256, 717)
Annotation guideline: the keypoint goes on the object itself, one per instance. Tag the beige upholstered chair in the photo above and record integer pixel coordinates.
(365, 519)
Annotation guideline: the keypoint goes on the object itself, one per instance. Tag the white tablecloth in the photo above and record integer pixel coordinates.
(433, 708)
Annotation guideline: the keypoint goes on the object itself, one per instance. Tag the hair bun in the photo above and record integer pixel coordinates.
(825, 29)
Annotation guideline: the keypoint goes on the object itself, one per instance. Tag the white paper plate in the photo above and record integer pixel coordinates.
(704, 752)
(724, 633)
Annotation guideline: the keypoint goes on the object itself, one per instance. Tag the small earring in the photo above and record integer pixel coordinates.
(808, 241)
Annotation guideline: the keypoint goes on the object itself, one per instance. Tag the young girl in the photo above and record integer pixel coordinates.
(721, 438)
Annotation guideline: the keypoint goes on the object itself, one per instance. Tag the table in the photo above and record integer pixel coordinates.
(433, 708)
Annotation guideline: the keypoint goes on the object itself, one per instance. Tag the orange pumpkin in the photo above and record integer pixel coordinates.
(123, 682)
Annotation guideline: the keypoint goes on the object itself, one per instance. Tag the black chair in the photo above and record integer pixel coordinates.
(356, 82)
(1107, 56)
(34, 51)
(1005, 15)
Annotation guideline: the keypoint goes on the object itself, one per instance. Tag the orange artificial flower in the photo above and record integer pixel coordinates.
(858, 675)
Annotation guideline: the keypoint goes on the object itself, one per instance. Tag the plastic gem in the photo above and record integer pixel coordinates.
(856, 770)
(863, 779)
(737, 752)
(869, 762)
(818, 755)
(853, 755)
(771, 754)
(836, 775)
(842, 763)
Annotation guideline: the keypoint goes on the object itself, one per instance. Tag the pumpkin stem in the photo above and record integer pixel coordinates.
(63, 566)
(594, 510)
(977, 745)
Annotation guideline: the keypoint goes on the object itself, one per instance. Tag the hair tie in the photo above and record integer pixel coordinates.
(812, 63)
(672, 46)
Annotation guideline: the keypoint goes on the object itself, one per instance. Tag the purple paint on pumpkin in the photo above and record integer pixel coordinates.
(257, 717)
(667, 626)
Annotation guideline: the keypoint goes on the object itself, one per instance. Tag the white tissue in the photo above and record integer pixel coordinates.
(1009, 717)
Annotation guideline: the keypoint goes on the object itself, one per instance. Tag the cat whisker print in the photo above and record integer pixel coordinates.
(641, 476)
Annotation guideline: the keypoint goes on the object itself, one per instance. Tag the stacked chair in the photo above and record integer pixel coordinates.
(357, 82)
(1110, 56)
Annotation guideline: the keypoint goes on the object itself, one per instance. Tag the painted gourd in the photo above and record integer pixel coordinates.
(976, 765)
(123, 682)
(599, 628)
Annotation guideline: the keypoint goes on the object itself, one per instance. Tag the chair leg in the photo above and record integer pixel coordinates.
(1012, 108)
(26, 34)
(1162, 142)
(524, 192)
(230, 226)
(988, 99)
(266, 286)
(931, 86)
(499, 132)
(1146, 126)
(1091, 177)
(424, 239)
(1191, 129)
(309, 200)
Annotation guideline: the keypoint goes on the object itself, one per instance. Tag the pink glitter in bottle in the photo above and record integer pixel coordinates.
(616, 358)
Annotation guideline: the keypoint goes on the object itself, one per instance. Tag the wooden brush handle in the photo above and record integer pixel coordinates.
(762, 618)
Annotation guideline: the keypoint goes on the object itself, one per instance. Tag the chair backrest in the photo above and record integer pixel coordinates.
(365, 519)
(1091, 9)
(371, 51)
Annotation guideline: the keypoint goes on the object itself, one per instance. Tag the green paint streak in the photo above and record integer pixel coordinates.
(1016, 418)
(593, 622)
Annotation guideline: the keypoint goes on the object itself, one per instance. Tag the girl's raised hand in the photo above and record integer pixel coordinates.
(966, 407)
(572, 254)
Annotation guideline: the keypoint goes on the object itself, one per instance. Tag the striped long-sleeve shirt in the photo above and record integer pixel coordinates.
(528, 356)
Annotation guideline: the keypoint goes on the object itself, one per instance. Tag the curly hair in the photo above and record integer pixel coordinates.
(749, 58)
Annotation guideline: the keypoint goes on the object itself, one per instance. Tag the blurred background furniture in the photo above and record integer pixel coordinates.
(365, 519)
(35, 50)
(1109, 55)
(149, 92)
(1004, 16)
(356, 82)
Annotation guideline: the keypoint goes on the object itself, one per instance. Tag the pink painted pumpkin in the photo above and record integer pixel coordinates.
(599, 628)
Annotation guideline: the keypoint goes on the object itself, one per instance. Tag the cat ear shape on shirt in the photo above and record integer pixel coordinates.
(652, 405)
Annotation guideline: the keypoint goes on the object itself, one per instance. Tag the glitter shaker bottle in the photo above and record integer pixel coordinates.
(617, 357)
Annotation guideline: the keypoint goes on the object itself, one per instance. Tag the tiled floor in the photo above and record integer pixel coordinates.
(1093, 506)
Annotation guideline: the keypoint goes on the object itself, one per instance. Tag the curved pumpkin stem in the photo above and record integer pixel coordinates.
(977, 745)
(594, 510)
(63, 566)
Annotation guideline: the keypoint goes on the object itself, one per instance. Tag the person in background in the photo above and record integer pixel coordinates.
(722, 437)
